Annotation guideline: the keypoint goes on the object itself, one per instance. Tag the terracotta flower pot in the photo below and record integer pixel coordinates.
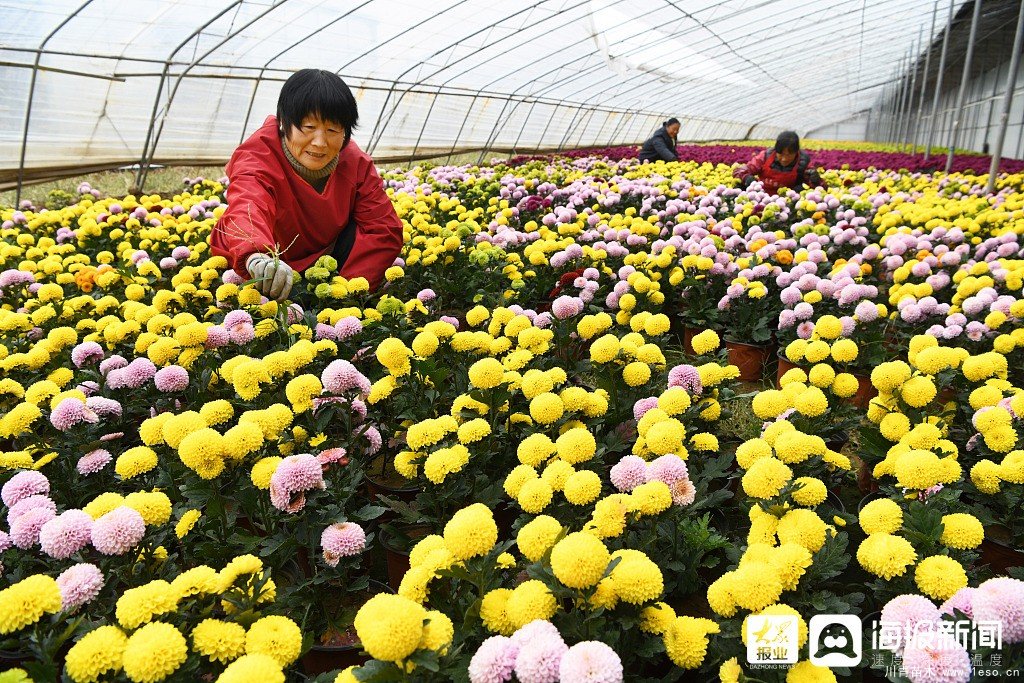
(688, 334)
(865, 392)
(784, 367)
(997, 552)
(347, 651)
(396, 550)
(749, 358)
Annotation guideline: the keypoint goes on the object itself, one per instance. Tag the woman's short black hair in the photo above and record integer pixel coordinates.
(320, 93)
(787, 140)
(671, 121)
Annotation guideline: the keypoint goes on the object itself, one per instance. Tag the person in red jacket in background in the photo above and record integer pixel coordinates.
(785, 165)
(300, 188)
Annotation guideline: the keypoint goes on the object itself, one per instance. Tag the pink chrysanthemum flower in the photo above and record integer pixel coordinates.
(668, 468)
(22, 485)
(325, 331)
(241, 334)
(1002, 599)
(295, 475)
(86, 353)
(104, 407)
(181, 253)
(590, 662)
(348, 326)
(331, 456)
(171, 378)
(937, 658)
(535, 629)
(539, 659)
(425, 295)
(138, 372)
(237, 317)
(454, 322)
(628, 473)
(216, 337)
(494, 661)
(373, 437)
(30, 503)
(566, 307)
(343, 539)
(687, 377)
(115, 362)
(71, 412)
(341, 376)
(25, 529)
(909, 610)
(66, 534)
(641, 407)
(118, 531)
(961, 600)
(683, 492)
(230, 277)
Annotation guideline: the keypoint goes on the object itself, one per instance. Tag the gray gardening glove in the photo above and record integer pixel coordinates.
(274, 275)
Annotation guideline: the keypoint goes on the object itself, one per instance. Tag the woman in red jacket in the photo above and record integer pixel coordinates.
(785, 165)
(301, 188)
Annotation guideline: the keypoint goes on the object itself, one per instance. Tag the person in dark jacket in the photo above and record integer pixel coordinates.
(784, 165)
(662, 145)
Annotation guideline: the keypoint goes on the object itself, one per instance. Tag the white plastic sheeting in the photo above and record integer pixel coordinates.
(120, 81)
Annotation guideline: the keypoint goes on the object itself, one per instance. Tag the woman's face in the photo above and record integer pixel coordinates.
(786, 156)
(315, 142)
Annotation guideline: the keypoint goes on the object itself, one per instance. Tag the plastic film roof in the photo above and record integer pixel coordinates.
(119, 81)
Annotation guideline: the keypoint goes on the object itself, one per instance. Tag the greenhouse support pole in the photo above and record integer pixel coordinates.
(31, 94)
(908, 133)
(954, 133)
(938, 82)
(1004, 115)
(906, 99)
(462, 127)
(897, 102)
(992, 105)
(911, 115)
(160, 87)
(924, 79)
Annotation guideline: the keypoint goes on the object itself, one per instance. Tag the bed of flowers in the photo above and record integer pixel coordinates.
(824, 154)
(519, 459)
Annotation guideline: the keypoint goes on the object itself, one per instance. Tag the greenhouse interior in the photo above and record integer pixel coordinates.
(567, 341)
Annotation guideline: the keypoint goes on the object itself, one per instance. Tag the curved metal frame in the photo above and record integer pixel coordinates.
(144, 165)
(630, 95)
(32, 92)
(266, 65)
(163, 78)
